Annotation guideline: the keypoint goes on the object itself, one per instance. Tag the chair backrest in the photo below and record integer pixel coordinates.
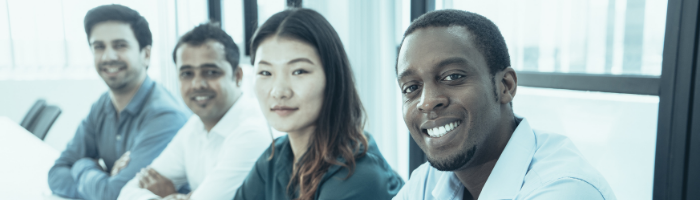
(45, 120)
(33, 112)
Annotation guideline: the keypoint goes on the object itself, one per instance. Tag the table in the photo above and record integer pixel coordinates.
(25, 161)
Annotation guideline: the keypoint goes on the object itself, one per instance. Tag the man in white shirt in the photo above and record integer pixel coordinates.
(216, 149)
(454, 72)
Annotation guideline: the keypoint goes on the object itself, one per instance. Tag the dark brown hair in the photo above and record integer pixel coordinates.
(339, 127)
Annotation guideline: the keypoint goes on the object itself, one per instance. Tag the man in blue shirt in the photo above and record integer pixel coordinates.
(454, 72)
(130, 124)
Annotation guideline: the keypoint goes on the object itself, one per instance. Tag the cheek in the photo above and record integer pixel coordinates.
(261, 88)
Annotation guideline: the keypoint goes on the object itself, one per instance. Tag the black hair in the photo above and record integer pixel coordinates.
(206, 31)
(115, 12)
(340, 122)
(486, 36)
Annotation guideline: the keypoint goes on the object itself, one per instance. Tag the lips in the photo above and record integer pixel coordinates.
(202, 98)
(439, 128)
(283, 110)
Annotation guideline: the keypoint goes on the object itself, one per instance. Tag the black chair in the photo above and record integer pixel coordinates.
(34, 111)
(45, 120)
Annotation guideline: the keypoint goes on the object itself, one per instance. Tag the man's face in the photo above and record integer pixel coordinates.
(449, 102)
(207, 81)
(118, 59)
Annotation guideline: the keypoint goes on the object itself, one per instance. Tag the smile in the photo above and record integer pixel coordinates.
(442, 130)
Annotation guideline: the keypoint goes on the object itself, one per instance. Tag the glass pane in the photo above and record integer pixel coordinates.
(571, 36)
(615, 132)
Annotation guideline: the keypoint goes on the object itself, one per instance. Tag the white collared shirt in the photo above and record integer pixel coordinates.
(214, 163)
(533, 165)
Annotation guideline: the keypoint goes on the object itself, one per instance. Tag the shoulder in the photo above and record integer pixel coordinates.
(558, 166)
(372, 177)
(161, 102)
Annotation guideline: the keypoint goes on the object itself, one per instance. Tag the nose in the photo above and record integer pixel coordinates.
(432, 100)
(280, 88)
(109, 54)
(199, 83)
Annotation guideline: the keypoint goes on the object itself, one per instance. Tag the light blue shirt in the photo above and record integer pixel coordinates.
(533, 165)
(144, 128)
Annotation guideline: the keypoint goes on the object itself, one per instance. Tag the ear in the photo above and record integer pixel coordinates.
(508, 85)
(239, 75)
(146, 55)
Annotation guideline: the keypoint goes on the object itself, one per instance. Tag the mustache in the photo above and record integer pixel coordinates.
(201, 93)
(112, 63)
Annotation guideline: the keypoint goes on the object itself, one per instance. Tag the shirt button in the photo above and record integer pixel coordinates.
(119, 137)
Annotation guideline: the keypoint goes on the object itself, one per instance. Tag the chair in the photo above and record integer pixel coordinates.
(45, 120)
(34, 111)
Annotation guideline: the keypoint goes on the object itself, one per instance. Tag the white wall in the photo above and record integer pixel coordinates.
(74, 97)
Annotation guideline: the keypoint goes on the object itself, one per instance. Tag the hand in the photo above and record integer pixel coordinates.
(151, 180)
(120, 163)
(178, 196)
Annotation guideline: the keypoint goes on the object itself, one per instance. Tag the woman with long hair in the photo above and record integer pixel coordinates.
(305, 87)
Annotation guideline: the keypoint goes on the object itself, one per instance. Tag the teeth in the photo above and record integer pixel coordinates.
(442, 130)
(112, 70)
(200, 98)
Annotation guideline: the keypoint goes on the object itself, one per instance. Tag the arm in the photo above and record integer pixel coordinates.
(170, 163)
(82, 145)
(94, 183)
(566, 188)
(237, 157)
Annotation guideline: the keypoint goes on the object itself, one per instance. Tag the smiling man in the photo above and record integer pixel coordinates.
(216, 149)
(130, 124)
(454, 73)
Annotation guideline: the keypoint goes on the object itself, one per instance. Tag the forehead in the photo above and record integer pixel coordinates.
(208, 50)
(280, 50)
(427, 47)
(112, 30)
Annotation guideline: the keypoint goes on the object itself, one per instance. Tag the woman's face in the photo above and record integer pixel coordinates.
(289, 83)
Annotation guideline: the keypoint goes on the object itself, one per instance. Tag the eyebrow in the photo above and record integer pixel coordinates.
(119, 40)
(452, 60)
(442, 63)
(207, 65)
(296, 60)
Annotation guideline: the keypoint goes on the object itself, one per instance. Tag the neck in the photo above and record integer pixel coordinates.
(476, 173)
(300, 140)
(210, 123)
(121, 98)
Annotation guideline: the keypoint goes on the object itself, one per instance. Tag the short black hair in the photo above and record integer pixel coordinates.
(115, 12)
(206, 31)
(487, 37)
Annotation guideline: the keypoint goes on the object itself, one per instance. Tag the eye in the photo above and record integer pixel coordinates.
(98, 47)
(452, 77)
(185, 74)
(410, 89)
(264, 73)
(299, 71)
(212, 73)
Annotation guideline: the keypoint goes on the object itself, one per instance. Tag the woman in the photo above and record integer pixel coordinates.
(305, 87)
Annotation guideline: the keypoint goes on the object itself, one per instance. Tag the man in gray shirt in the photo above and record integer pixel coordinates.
(130, 124)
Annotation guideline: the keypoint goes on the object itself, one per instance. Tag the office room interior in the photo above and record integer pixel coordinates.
(619, 78)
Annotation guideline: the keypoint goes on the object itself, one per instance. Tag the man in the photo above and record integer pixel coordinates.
(454, 72)
(128, 126)
(217, 148)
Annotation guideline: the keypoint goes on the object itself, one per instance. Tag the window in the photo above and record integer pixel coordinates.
(598, 36)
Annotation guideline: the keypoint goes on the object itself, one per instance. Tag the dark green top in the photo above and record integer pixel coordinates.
(373, 178)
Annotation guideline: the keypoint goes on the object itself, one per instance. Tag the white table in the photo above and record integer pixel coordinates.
(25, 161)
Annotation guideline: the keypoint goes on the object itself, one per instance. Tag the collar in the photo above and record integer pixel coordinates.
(136, 102)
(507, 176)
(448, 187)
(241, 110)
